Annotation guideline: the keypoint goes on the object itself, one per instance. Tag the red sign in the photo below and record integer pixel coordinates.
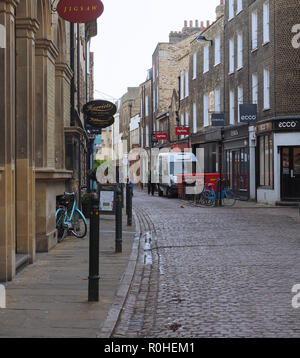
(182, 130)
(80, 11)
(161, 136)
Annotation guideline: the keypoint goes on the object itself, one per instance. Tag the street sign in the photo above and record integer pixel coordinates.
(182, 130)
(80, 11)
(218, 119)
(161, 136)
(248, 113)
(107, 199)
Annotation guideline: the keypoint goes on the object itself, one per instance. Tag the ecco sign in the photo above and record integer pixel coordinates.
(248, 113)
(289, 124)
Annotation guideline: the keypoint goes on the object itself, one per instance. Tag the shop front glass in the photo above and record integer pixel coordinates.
(236, 170)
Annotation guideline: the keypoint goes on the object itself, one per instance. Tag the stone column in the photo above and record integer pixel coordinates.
(7, 140)
(26, 27)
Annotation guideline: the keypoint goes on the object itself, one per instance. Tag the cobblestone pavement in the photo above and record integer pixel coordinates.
(213, 272)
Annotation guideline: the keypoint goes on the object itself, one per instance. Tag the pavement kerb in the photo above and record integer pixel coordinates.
(107, 327)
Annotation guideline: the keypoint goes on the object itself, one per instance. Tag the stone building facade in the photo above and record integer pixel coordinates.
(41, 94)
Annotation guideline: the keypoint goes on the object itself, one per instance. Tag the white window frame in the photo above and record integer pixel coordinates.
(266, 89)
(254, 88)
(240, 99)
(181, 85)
(254, 30)
(239, 51)
(266, 22)
(230, 10)
(182, 123)
(231, 55)
(231, 107)
(205, 110)
(206, 58)
(194, 65)
(187, 120)
(217, 50)
(195, 118)
(147, 135)
(146, 106)
(187, 83)
(239, 6)
(217, 100)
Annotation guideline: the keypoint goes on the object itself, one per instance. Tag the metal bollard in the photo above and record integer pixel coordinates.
(129, 205)
(94, 277)
(119, 220)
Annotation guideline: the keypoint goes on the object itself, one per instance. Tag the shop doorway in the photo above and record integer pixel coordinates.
(290, 173)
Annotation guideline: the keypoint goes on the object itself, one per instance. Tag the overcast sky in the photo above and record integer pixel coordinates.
(128, 32)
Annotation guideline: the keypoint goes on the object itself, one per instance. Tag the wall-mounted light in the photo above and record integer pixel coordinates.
(202, 39)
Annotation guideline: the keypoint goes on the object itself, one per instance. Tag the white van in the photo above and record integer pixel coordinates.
(170, 166)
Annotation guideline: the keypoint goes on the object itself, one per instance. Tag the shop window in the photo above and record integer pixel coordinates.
(266, 172)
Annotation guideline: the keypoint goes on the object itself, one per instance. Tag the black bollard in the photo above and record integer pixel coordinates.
(94, 251)
(119, 220)
(129, 205)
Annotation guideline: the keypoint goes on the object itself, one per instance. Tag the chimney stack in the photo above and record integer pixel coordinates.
(196, 23)
(191, 23)
(185, 23)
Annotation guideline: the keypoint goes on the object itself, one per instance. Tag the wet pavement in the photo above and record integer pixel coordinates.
(213, 272)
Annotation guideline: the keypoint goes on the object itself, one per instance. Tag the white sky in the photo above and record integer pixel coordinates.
(128, 32)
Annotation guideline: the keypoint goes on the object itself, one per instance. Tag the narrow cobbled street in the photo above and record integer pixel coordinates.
(213, 272)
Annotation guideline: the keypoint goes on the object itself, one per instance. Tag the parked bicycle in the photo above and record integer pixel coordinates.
(208, 197)
(69, 219)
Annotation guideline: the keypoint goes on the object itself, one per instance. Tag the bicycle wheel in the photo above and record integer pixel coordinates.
(205, 199)
(228, 198)
(79, 227)
(61, 229)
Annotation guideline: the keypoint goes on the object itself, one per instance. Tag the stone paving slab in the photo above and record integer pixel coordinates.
(49, 299)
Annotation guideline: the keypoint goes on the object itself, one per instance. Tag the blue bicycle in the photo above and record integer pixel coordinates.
(69, 219)
(208, 197)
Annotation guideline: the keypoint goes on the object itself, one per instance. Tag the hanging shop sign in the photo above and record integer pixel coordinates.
(182, 130)
(100, 109)
(248, 113)
(80, 11)
(96, 122)
(218, 120)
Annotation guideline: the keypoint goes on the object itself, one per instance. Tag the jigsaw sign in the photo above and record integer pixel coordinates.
(296, 37)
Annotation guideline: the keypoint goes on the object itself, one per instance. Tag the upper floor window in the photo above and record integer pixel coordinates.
(240, 99)
(231, 55)
(239, 6)
(266, 22)
(194, 118)
(231, 9)
(194, 65)
(146, 106)
(266, 88)
(254, 25)
(239, 51)
(217, 50)
(181, 85)
(217, 100)
(206, 58)
(231, 107)
(206, 110)
(186, 83)
(254, 88)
